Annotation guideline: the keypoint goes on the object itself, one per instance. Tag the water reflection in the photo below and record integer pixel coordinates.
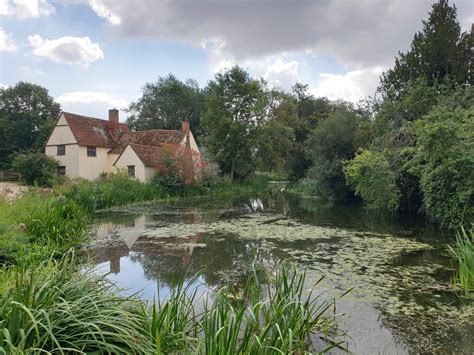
(398, 264)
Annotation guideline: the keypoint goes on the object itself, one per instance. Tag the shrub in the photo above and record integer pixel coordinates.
(36, 168)
(370, 175)
(444, 163)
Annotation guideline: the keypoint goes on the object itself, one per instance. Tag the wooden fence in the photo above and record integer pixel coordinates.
(9, 176)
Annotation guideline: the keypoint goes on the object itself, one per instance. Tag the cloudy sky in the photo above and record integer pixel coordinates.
(96, 54)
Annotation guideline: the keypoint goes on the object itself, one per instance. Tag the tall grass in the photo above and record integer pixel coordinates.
(55, 307)
(39, 224)
(463, 252)
(119, 189)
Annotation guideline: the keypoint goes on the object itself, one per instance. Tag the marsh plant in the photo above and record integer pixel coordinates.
(60, 308)
(463, 252)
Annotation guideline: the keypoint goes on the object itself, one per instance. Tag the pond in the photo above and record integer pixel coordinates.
(399, 268)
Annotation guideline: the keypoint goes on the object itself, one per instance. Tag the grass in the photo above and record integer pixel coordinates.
(39, 224)
(463, 252)
(56, 307)
(118, 190)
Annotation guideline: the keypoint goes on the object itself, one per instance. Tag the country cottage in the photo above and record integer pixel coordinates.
(87, 147)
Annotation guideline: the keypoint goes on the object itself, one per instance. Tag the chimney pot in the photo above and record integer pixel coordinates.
(113, 118)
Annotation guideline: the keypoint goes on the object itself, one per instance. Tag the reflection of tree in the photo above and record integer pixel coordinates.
(224, 259)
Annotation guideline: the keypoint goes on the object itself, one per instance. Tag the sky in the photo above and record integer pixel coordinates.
(93, 55)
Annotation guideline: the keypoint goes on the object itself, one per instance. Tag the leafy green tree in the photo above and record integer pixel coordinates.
(370, 175)
(27, 116)
(236, 106)
(444, 163)
(332, 142)
(166, 103)
(36, 168)
(277, 136)
(440, 50)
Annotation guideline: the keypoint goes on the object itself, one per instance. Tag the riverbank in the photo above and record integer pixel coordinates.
(48, 302)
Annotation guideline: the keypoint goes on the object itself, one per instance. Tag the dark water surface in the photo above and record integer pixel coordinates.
(399, 267)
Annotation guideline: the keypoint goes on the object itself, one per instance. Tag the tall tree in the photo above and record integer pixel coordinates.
(27, 115)
(440, 50)
(236, 106)
(165, 103)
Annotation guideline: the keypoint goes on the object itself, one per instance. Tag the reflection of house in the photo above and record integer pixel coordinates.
(86, 147)
(182, 248)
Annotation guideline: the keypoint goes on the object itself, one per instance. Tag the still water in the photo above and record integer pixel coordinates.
(399, 268)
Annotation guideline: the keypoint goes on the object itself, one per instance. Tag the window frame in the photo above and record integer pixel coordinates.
(91, 151)
(131, 170)
(61, 149)
(61, 168)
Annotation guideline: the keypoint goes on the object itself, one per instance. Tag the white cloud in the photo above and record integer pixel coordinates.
(69, 50)
(281, 73)
(92, 103)
(352, 86)
(27, 70)
(278, 70)
(4, 86)
(102, 11)
(26, 8)
(6, 42)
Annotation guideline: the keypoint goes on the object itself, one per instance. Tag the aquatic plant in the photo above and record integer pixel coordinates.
(56, 308)
(463, 252)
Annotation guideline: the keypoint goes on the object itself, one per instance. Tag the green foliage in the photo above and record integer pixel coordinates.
(111, 190)
(36, 168)
(444, 163)
(27, 115)
(463, 252)
(54, 307)
(38, 224)
(370, 175)
(63, 223)
(235, 109)
(166, 103)
(440, 50)
(332, 142)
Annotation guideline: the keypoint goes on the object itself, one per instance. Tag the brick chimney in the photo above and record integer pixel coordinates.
(186, 130)
(113, 119)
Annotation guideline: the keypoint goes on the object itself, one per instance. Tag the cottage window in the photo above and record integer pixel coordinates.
(61, 170)
(61, 149)
(131, 170)
(91, 151)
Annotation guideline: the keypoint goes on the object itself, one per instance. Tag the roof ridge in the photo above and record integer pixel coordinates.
(158, 129)
(86, 117)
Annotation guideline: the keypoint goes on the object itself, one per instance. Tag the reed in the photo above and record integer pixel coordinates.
(463, 253)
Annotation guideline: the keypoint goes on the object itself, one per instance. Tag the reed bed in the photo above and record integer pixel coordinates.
(463, 253)
(57, 307)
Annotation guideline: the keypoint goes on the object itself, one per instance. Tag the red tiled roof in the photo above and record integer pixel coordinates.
(153, 156)
(93, 131)
(152, 138)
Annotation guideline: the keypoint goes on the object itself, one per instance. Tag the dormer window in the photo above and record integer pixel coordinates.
(91, 151)
(61, 149)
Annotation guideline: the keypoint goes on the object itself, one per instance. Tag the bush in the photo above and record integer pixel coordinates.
(370, 175)
(36, 168)
(444, 163)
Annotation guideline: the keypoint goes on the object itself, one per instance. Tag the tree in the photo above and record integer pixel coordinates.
(444, 163)
(236, 106)
(166, 103)
(331, 143)
(27, 116)
(370, 175)
(439, 51)
(36, 168)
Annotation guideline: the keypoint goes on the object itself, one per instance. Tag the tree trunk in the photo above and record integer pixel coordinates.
(232, 167)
